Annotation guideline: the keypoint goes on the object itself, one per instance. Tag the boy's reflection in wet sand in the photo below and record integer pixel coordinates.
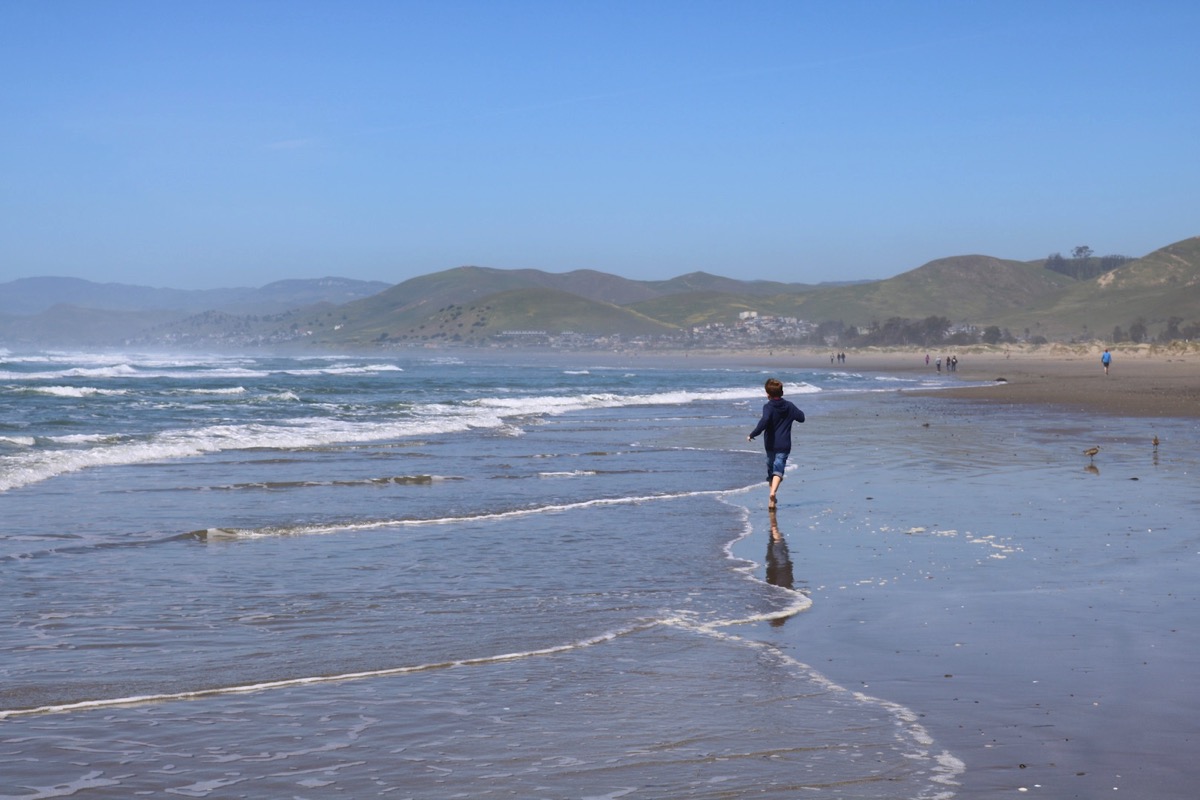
(779, 562)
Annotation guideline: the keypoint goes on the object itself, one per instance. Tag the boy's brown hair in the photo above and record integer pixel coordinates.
(774, 388)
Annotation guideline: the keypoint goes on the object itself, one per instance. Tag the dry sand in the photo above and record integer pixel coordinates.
(1144, 381)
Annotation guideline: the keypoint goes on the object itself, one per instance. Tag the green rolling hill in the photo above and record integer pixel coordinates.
(473, 319)
(476, 305)
(1153, 289)
(974, 288)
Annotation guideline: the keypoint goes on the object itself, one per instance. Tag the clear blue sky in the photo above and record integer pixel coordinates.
(206, 144)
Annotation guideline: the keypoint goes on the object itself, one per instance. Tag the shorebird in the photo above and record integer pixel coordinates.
(1156, 440)
(1091, 452)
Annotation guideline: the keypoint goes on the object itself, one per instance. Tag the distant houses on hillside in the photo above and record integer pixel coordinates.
(753, 328)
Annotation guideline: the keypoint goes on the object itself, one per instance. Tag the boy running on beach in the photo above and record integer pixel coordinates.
(777, 418)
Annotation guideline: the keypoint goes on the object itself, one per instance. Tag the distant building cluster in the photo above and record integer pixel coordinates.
(753, 329)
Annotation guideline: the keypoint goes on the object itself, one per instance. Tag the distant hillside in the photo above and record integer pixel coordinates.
(556, 310)
(702, 282)
(35, 295)
(474, 320)
(288, 294)
(417, 307)
(1176, 266)
(974, 288)
(484, 306)
(1154, 289)
(706, 307)
(67, 325)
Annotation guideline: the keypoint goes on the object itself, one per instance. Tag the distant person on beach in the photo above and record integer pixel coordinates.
(1106, 359)
(776, 423)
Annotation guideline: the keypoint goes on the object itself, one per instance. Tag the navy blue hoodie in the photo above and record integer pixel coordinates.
(777, 418)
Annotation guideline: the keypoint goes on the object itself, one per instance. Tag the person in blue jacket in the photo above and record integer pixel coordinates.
(776, 425)
(1106, 359)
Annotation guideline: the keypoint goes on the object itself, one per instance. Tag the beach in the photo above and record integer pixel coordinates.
(1144, 381)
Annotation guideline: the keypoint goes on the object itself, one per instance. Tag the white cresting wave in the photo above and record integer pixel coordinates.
(198, 371)
(31, 467)
(27, 468)
(18, 441)
(76, 391)
(562, 404)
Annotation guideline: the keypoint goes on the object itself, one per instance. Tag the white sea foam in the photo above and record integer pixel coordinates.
(19, 441)
(84, 438)
(113, 371)
(26, 468)
(77, 391)
(426, 420)
(228, 390)
(315, 530)
(199, 370)
(341, 369)
(287, 683)
(563, 404)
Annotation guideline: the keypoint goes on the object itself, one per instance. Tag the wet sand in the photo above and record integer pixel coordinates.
(1035, 608)
(1057, 659)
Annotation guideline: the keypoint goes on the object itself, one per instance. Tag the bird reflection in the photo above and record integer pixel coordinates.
(1092, 468)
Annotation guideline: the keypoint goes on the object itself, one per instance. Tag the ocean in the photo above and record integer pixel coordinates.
(439, 576)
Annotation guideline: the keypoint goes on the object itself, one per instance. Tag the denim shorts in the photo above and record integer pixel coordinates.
(776, 465)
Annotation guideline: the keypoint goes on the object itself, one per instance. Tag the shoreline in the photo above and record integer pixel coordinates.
(1144, 380)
